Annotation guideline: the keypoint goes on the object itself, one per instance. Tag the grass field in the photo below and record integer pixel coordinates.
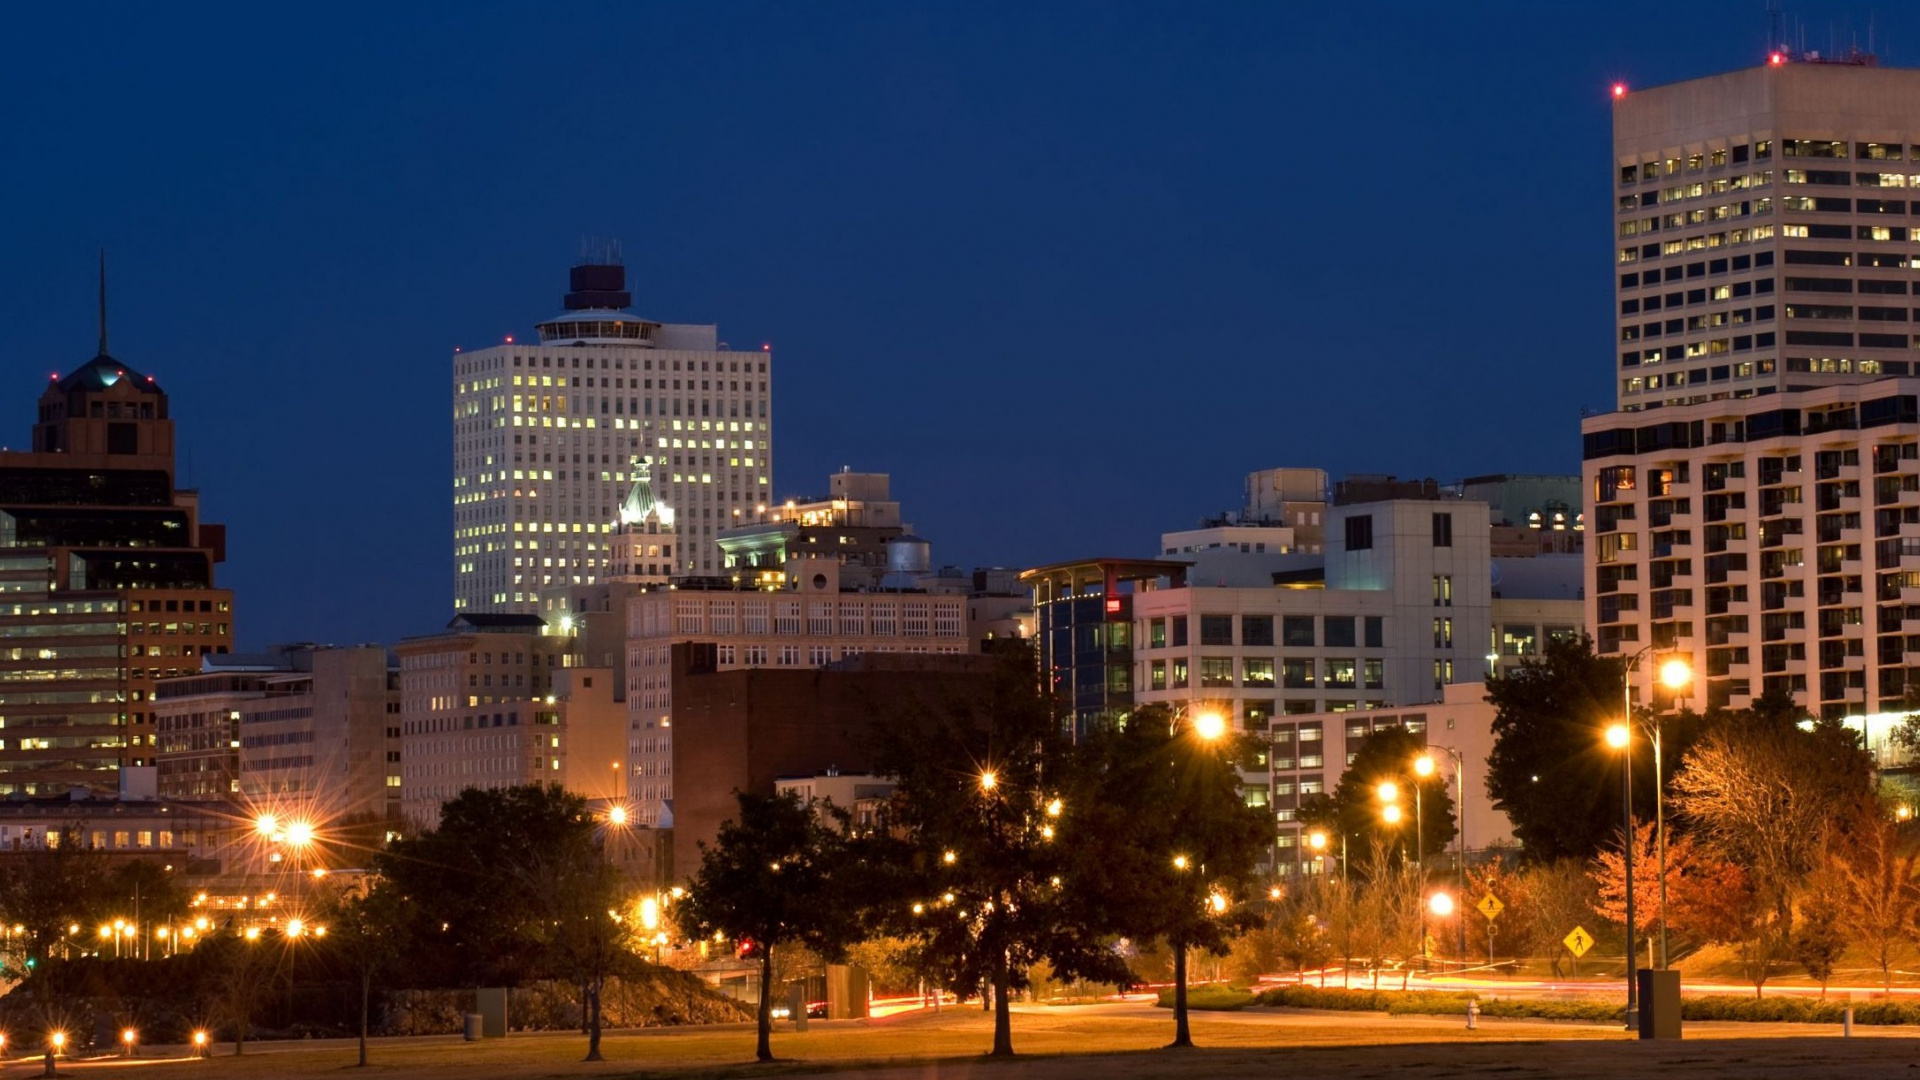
(1118, 1042)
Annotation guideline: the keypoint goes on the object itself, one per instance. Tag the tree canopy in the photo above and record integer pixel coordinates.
(782, 872)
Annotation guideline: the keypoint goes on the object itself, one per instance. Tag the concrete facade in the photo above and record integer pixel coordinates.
(1762, 230)
(1774, 542)
(1321, 746)
(493, 703)
(548, 436)
(815, 620)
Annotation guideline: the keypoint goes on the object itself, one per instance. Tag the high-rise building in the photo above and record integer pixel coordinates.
(1761, 223)
(548, 436)
(106, 580)
(1765, 524)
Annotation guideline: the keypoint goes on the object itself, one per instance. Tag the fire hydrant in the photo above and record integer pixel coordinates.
(1473, 1014)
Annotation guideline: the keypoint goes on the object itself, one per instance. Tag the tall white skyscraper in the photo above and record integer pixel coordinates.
(547, 439)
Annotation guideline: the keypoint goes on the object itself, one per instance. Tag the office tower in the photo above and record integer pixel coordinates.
(1763, 230)
(106, 580)
(547, 437)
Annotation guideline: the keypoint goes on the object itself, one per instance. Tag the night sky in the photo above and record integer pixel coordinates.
(1067, 271)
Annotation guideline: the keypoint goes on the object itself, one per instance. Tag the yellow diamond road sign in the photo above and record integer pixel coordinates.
(1578, 942)
(1490, 905)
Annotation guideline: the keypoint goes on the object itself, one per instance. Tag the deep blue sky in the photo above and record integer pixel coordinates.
(1068, 271)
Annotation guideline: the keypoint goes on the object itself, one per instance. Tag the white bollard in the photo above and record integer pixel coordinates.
(1846, 1022)
(1473, 1014)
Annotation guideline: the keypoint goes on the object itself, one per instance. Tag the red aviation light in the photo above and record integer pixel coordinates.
(1619, 90)
(1776, 58)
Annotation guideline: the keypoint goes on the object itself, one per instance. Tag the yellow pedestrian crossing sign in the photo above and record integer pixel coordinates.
(1490, 905)
(1578, 942)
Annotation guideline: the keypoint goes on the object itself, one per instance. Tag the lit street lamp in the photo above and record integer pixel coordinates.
(1620, 737)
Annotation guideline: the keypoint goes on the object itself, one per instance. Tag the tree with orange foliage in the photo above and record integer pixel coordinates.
(1878, 899)
(1608, 871)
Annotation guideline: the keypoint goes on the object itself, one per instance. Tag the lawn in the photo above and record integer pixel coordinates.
(1120, 1042)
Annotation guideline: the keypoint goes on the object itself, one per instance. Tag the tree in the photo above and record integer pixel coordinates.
(1875, 898)
(366, 930)
(1002, 865)
(1551, 900)
(1608, 871)
(1717, 902)
(1392, 909)
(1550, 771)
(1192, 847)
(1340, 909)
(1818, 937)
(1764, 793)
(472, 902)
(776, 874)
(46, 891)
(251, 963)
(586, 938)
(1299, 930)
(1387, 756)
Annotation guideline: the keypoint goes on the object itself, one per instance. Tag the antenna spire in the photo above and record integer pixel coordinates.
(103, 301)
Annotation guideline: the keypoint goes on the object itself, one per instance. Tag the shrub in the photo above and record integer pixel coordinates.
(1211, 998)
(1777, 1009)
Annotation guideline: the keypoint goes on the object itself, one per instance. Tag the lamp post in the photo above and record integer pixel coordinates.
(1207, 726)
(1620, 737)
(1460, 828)
(1675, 674)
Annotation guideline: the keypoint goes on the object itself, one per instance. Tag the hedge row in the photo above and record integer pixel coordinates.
(1433, 1002)
(1212, 998)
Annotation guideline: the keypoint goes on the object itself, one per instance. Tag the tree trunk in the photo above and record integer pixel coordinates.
(1002, 1017)
(763, 1047)
(366, 992)
(592, 997)
(1182, 1037)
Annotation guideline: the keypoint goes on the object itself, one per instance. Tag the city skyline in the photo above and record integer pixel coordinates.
(296, 263)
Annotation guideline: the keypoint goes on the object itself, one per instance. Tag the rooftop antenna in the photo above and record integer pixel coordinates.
(1775, 37)
(103, 301)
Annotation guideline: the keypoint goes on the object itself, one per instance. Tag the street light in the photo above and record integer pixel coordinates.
(1675, 673)
(1209, 726)
(1440, 904)
(1620, 737)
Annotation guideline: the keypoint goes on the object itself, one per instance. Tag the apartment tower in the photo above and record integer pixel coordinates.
(547, 437)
